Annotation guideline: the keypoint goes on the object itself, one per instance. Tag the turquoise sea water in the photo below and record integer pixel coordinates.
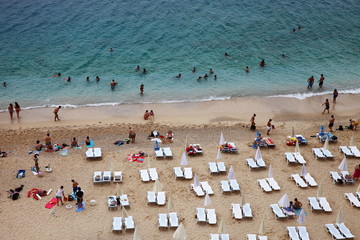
(41, 38)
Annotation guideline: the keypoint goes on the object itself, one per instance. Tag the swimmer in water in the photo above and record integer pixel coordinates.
(193, 69)
(137, 68)
(88, 79)
(215, 77)
(247, 69)
(226, 55)
(262, 63)
(294, 30)
(144, 71)
(299, 27)
(4, 84)
(178, 76)
(211, 71)
(97, 78)
(111, 50)
(206, 76)
(113, 84)
(283, 55)
(199, 78)
(68, 79)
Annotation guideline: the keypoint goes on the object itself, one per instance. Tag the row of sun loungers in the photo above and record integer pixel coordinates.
(255, 164)
(229, 186)
(240, 212)
(156, 197)
(300, 182)
(163, 153)
(268, 184)
(297, 233)
(148, 174)
(168, 220)
(203, 188)
(322, 153)
(206, 215)
(339, 231)
(186, 173)
(319, 204)
(254, 237)
(118, 223)
(229, 148)
(351, 151)
(222, 236)
(354, 201)
(101, 177)
(217, 167)
(294, 157)
(93, 153)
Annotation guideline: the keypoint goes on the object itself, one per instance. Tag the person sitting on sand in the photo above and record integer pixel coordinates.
(87, 141)
(74, 142)
(290, 208)
(38, 146)
(170, 135)
(353, 124)
(356, 174)
(297, 204)
(146, 115)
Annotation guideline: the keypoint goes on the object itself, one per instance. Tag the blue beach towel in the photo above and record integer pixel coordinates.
(79, 209)
(20, 174)
(298, 211)
(91, 143)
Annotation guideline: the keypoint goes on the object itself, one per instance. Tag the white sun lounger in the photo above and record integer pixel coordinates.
(112, 202)
(335, 176)
(298, 180)
(290, 157)
(352, 199)
(234, 185)
(97, 153)
(345, 150)
(153, 174)
(299, 158)
(264, 185)
(324, 204)
(357, 194)
(225, 187)
(124, 200)
(355, 151)
(107, 176)
(129, 223)
(117, 176)
(89, 153)
(304, 235)
(247, 210)
(251, 236)
(188, 173)
(161, 198)
(293, 234)
(335, 234)
(173, 219)
(262, 237)
(327, 153)
(211, 216)
(198, 190)
(236, 211)
(347, 180)
(98, 177)
(310, 180)
(117, 224)
(163, 220)
(200, 215)
(151, 197)
(318, 153)
(273, 184)
(159, 153)
(207, 188)
(167, 152)
(214, 236)
(314, 204)
(144, 175)
(261, 163)
(213, 167)
(344, 230)
(225, 236)
(251, 163)
(221, 167)
(277, 211)
(178, 172)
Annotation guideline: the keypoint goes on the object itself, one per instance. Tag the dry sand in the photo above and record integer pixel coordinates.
(27, 218)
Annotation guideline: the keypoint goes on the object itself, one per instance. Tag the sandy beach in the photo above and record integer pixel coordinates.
(201, 123)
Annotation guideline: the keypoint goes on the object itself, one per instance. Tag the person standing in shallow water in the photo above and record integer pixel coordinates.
(141, 89)
(11, 111)
(310, 82)
(335, 95)
(321, 81)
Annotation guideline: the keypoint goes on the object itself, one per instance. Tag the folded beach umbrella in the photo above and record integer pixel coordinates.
(231, 174)
(184, 160)
(340, 217)
(148, 162)
(326, 144)
(119, 191)
(320, 191)
(222, 139)
(218, 157)
(136, 234)
(207, 200)
(343, 165)
(180, 233)
(270, 174)
(262, 228)
(186, 142)
(258, 155)
(284, 201)
(221, 227)
(125, 213)
(157, 186)
(170, 203)
(297, 146)
(358, 189)
(196, 181)
(292, 132)
(303, 171)
(351, 143)
(301, 218)
(242, 199)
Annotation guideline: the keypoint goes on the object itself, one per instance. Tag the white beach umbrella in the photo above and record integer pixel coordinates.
(258, 154)
(242, 199)
(170, 203)
(320, 191)
(326, 144)
(303, 171)
(262, 228)
(180, 233)
(119, 191)
(339, 217)
(301, 218)
(297, 146)
(218, 157)
(196, 181)
(284, 201)
(148, 162)
(136, 234)
(157, 186)
(343, 165)
(221, 227)
(270, 174)
(352, 140)
(207, 200)
(222, 139)
(292, 132)
(186, 142)
(231, 174)
(125, 213)
(184, 160)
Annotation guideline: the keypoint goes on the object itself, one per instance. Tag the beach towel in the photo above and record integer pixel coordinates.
(82, 208)
(298, 211)
(51, 203)
(135, 158)
(119, 142)
(33, 170)
(20, 174)
(77, 147)
(64, 152)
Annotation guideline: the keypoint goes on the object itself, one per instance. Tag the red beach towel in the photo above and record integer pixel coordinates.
(51, 203)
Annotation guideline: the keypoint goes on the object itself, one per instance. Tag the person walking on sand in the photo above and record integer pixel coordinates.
(56, 111)
(252, 122)
(268, 127)
(331, 123)
(321, 80)
(310, 82)
(132, 135)
(36, 160)
(17, 109)
(59, 195)
(11, 111)
(74, 186)
(141, 89)
(327, 106)
(335, 95)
